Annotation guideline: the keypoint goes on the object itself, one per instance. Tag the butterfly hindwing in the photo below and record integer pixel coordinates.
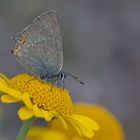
(42, 48)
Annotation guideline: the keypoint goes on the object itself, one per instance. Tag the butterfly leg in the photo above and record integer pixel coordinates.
(63, 84)
(34, 76)
(52, 80)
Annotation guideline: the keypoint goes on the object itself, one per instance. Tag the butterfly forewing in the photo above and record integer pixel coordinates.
(42, 51)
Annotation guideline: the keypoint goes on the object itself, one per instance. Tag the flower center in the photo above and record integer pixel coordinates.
(43, 94)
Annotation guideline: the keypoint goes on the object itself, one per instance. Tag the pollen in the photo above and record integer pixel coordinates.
(45, 95)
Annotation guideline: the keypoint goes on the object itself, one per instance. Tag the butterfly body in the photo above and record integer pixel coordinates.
(54, 78)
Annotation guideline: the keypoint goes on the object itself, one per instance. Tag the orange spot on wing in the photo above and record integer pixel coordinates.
(22, 40)
(20, 43)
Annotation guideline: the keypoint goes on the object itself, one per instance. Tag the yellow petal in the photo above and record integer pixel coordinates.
(110, 128)
(3, 86)
(2, 76)
(63, 121)
(26, 100)
(47, 115)
(5, 89)
(8, 99)
(42, 113)
(77, 128)
(88, 122)
(83, 125)
(80, 128)
(3, 81)
(53, 135)
(25, 113)
(41, 133)
(37, 111)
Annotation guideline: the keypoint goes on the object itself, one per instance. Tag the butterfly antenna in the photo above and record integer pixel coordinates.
(75, 77)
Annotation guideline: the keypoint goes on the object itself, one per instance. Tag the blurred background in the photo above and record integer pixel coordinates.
(101, 41)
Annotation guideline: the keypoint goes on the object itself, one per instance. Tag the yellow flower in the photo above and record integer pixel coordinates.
(44, 100)
(110, 128)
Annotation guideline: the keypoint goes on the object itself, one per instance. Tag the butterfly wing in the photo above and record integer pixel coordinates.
(40, 51)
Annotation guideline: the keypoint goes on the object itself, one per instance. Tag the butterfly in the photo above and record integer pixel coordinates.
(39, 48)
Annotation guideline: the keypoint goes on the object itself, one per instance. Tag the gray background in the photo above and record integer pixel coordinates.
(101, 46)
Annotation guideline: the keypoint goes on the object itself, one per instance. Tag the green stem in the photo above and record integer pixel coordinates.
(25, 128)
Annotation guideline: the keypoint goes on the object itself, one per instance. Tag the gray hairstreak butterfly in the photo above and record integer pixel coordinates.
(39, 48)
